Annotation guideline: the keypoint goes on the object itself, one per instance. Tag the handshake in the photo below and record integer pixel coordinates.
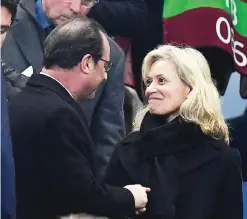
(140, 195)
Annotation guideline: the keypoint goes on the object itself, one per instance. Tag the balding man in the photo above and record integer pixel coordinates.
(53, 150)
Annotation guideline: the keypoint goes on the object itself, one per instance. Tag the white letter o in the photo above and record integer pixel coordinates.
(218, 25)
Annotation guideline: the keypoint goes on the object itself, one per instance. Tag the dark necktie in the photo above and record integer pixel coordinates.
(48, 30)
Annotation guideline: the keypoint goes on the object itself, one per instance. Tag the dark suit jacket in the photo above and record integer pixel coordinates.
(24, 47)
(55, 157)
(14, 81)
(8, 203)
(238, 127)
(126, 18)
(191, 175)
(149, 39)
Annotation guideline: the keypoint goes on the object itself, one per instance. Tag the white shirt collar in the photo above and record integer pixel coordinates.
(43, 73)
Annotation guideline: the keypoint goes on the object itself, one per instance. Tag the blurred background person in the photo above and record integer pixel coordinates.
(125, 18)
(13, 81)
(234, 109)
(238, 127)
(8, 202)
(149, 39)
(8, 10)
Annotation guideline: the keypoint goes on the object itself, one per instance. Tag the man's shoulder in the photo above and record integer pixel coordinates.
(24, 14)
(24, 8)
(22, 46)
(37, 99)
(115, 48)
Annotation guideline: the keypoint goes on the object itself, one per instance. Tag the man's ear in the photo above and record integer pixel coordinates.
(87, 64)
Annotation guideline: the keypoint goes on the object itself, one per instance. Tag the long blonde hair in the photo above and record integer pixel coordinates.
(202, 106)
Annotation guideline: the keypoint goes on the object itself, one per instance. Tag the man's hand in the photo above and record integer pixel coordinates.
(140, 195)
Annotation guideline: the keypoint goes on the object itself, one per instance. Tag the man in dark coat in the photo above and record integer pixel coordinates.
(53, 150)
(7, 11)
(147, 41)
(24, 48)
(125, 18)
(13, 81)
(238, 127)
(7, 162)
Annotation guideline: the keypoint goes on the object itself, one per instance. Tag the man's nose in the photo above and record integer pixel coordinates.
(75, 6)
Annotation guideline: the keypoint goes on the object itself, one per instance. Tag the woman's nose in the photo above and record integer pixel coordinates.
(152, 88)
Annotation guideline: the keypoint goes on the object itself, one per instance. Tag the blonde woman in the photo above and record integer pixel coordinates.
(180, 148)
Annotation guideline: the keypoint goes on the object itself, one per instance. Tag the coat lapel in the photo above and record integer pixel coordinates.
(162, 176)
(29, 34)
(130, 158)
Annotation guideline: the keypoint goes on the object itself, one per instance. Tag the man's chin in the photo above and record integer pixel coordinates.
(60, 20)
(91, 96)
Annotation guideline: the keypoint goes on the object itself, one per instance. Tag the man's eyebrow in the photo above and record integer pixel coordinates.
(5, 26)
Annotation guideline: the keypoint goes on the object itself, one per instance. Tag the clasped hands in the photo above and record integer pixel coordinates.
(140, 195)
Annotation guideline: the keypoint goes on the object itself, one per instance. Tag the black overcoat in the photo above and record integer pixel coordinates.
(191, 175)
(55, 157)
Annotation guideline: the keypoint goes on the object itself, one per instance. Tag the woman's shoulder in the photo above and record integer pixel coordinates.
(130, 139)
(126, 149)
(225, 153)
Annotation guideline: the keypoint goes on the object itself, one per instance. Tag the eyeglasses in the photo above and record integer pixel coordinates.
(89, 3)
(85, 3)
(107, 65)
(4, 28)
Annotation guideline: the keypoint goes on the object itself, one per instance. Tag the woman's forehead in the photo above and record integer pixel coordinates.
(162, 68)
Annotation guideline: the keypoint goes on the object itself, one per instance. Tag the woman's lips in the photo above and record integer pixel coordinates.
(153, 99)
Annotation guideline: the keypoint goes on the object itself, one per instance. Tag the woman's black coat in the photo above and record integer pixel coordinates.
(191, 175)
